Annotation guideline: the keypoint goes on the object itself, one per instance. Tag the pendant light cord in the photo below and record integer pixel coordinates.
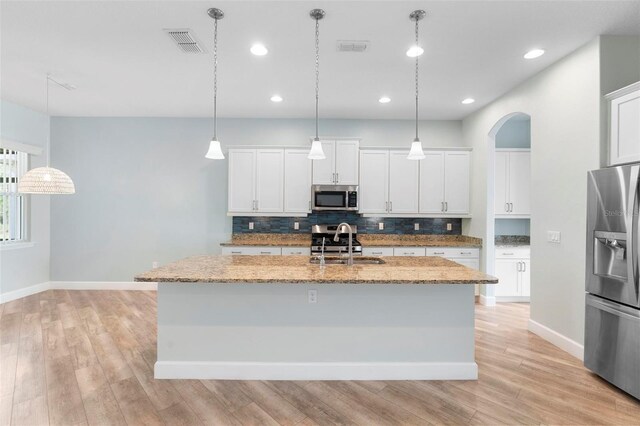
(417, 71)
(49, 118)
(215, 79)
(317, 71)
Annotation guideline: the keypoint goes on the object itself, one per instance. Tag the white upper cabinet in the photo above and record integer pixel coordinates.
(341, 165)
(374, 181)
(624, 125)
(403, 183)
(456, 182)
(256, 181)
(513, 183)
(242, 178)
(444, 183)
(297, 181)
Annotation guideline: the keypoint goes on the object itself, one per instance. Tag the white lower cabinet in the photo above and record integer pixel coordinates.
(514, 279)
(296, 251)
(252, 250)
(377, 251)
(409, 251)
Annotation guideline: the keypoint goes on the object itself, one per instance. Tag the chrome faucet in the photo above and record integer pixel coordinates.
(322, 254)
(337, 237)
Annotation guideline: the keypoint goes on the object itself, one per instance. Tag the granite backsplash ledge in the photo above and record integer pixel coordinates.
(366, 225)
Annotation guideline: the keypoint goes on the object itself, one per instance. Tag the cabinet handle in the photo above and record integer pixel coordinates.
(524, 266)
(265, 252)
(386, 206)
(506, 207)
(438, 252)
(236, 252)
(309, 204)
(337, 177)
(256, 205)
(390, 206)
(507, 254)
(518, 266)
(411, 253)
(511, 209)
(465, 252)
(446, 206)
(376, 252)
(442, 206)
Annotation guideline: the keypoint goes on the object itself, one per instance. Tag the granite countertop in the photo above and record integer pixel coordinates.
(367, 240)
(512, 241)
(298, 270)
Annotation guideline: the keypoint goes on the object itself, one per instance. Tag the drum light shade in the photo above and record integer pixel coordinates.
(46, 181)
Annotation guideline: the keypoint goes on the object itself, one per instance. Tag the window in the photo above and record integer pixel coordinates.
(13, 164)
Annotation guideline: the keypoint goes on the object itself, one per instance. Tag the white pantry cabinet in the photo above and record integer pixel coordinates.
(256, 180)
(341, 165)
(624, 124)
(513, 272)
(388, 182)
(444, 183)
(513, 183)
(297, 181)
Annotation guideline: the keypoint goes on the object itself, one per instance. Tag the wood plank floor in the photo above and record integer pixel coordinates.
(86, 357)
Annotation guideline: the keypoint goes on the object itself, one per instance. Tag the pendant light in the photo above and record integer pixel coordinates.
(47, 180)
(416, 152)
(316, 152)
(215, 150)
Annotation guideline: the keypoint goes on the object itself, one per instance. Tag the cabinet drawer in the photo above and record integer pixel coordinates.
(296, 251)
(454, 252)
(377, 251)
(409, 251)
(470, 263)
(252, 250)
(513, 253)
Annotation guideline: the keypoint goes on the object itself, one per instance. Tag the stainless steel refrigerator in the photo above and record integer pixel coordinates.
(612, 325)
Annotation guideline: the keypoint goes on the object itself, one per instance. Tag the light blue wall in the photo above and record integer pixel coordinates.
(512, 227)
(24, 267)
(146, 193)
(515, 133)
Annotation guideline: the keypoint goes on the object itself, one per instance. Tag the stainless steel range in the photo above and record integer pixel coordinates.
(327, 233)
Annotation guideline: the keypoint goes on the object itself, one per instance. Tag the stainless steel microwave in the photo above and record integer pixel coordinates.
(334, 197)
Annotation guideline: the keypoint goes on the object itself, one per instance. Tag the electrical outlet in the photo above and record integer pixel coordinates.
(449, 227)
(312, 296)
(381, 226)
(155, 264)
(296, 225)
(553, 237)
(416, 226)
(250, 225)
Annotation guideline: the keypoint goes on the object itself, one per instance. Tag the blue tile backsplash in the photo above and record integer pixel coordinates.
(366, 225)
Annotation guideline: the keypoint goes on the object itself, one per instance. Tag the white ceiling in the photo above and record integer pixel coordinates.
(123, 64)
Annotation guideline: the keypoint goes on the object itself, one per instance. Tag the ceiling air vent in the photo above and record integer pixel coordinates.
(185, 40)
(358, 46)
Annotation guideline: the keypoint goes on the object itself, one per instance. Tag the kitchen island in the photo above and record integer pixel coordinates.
(283, 318)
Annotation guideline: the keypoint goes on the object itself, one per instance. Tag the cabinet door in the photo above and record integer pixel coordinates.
(508, 275)
(520, 182)
(501, 197)
(374, 180)
(270, 180)
(525, 278)
(432, 182)
(403, 183)
(346, 162)
(456, 182)
(242, 178)
(625, 128)
(297, 181)
(323, 170)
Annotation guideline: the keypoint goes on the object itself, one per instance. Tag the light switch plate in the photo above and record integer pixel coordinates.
(381, 226)
(250, 225)
(296, 225)
(553, 237)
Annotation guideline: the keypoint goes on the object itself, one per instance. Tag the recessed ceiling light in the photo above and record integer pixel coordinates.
(415, 51)
(259, 49)
(468, 101)
(384, 100)
(535, 53)
(276, 98)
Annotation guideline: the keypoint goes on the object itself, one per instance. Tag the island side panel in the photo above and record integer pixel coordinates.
(354, 331)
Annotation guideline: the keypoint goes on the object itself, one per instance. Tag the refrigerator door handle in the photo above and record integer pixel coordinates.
(613, 308)
(632, 229)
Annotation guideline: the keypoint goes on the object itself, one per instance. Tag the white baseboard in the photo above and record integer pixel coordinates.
(75, 285)
(487, 300)
(513, 299)
(572, 347)
(102, 285)
(23, 292)
(316, 370)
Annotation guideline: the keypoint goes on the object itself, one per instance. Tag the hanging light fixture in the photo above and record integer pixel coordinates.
(316, 152)
(47, 180)
(215, 150)
(416, 152)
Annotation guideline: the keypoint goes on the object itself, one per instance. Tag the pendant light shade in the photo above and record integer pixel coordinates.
(215, 150)
(47, 181)
(416, 152)
(316, 152)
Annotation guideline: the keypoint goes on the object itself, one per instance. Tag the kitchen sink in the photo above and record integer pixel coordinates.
(335, 260)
